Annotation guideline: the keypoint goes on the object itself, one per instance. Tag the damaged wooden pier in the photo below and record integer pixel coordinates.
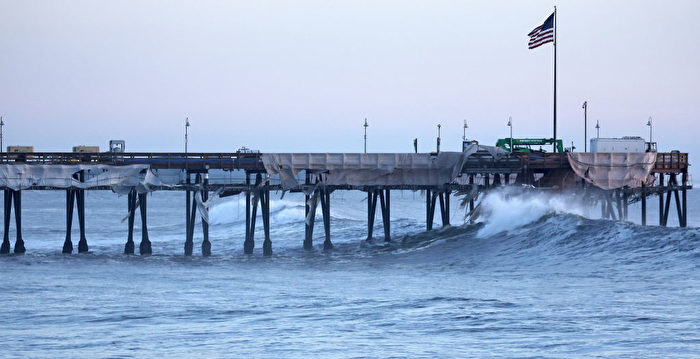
(612, 180)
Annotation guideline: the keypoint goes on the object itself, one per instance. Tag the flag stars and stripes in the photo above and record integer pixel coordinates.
(542, 34)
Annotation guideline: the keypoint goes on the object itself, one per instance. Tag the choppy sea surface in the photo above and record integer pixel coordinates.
(537, 276)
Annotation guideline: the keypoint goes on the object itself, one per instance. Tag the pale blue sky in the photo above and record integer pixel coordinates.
(284, 76)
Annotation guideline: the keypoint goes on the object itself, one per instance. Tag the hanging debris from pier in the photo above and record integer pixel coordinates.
(373, 169)
(120, 178)
(613, 170)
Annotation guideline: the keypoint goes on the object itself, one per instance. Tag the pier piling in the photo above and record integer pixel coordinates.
(326, 211)
(80, 198)
(5, 247)
(19, 242)
(68, 244)
(249, 243)
(385, 203)
(471, 200)
(309, 214)
(661, 200)
(445, 208)
(644, 204)
(189, 244)
(430, 202)
(145, 245)
(371, 211)
(684, 182)
(206, 244)
(131, 205)
(265, 204)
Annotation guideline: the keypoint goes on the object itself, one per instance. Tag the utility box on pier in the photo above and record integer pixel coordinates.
(624, 144)
(86, 149)
(117, 146)
(20, 149)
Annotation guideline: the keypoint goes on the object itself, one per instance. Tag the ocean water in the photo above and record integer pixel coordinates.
(537, 276)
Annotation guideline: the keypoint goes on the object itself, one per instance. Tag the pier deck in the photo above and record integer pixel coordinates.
(480, 172)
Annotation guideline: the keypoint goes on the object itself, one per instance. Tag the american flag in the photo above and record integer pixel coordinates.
(542, 34)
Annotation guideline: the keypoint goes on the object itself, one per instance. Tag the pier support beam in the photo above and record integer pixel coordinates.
(326, 210)
(672, 190)
(497, 180)
(5, 247)
(261, 195)
(385, 203)
(471, 200)
(430, 200)
(445, 208)
(661, 200)
(75, 197)
(82, 244)
(131, 204)
(309, 215)
(610, 209)
(206, 244)
(618, 202)
(68, 244)
(667, 206)
(189, 243)
(644, 204)
(249, 243)
(19, 242)
(191, 215)
(265, 204)
(684, 205)
(371, 211)
(145, 245)
(676, 196)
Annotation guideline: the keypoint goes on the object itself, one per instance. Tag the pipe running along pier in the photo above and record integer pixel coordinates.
(612, 180)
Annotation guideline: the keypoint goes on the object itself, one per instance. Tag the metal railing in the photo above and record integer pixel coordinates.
(190, 161)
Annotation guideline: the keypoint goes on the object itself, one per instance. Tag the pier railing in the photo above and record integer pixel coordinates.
(189, 161)
(671, 162)
(480, 162)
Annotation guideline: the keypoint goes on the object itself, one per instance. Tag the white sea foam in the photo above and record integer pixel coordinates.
(508, 209)
(233, 211)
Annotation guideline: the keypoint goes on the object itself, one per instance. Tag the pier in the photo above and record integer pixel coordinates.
(440, 176)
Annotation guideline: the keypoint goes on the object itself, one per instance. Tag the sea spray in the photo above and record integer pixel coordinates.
(508, 208)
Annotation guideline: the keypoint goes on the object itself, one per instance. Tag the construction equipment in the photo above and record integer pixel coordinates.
(86, 149)
(527, 144)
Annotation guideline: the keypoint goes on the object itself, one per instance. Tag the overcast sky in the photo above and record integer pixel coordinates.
(283, 76)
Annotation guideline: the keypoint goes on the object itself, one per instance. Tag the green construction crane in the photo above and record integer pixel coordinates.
(526, 144)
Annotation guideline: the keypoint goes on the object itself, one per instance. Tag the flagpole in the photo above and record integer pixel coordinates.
(555, 80)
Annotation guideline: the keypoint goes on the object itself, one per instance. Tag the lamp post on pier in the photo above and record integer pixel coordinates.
(651, 125)
(464, 135)
(438, 138)
(585, 126)
(597, 129)
(187, 126)
(510, 124)
(2, 123)
(365, 126)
